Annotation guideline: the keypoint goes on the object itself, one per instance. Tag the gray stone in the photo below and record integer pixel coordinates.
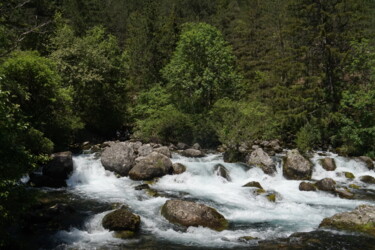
(151, 166)
(261, 159)
(367, 161)
(221, 171)
(120, 220)
(328, 164)
(192, 153)
(296, 167)
(326, 184)
(145, 150)
(178, 168)
(119, 158)
(163, 150)
(306, 186)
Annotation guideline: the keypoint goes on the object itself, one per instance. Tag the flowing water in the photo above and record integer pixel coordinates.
(248, 214)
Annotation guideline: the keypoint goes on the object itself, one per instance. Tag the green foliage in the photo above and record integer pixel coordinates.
(17, 159)
(94, 67)
(158, 120)
(201, 70)
(239, 121)
(308, 137)
(36, 87)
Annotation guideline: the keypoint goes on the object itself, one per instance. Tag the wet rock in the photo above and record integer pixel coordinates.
(145, 150)
(354, 186)
(367, 179)
(153, 165)
(367, 161)
(343, 193)
(326, 184)
(307, 186)
(220, 170)
(192, 153)
(163, 150)
(187, 213)
(119, 158)
(253, 184)
(196, 146)
(260, 191)
(233, 155)
(60, 166)
(142, 187)
(271, 197)
(121, 220)
(275, 146)
(182, 146)
(349, 175)
(124, 234)
(328, 164)
(178, 168)
(247, 238)
(361, 219)
(37, 180)
(261, 159)
(296, 167)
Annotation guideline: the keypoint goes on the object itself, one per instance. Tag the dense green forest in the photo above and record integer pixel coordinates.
(208, 71)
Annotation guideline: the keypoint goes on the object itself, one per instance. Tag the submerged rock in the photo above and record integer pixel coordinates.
(296, 167)
(343, 193)
(367, 161)
(119, 158)
(253, 184)
(121, 220)
(220, 170)
(367, 179)
(361, 219)
(192, 153)
(326, 184)
(151, 166)
(328, 164)
(261, 159)
(188, 213)
(306, 186)
(60, 166)
(178, 168)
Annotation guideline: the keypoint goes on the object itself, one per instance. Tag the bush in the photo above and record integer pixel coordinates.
(307, 137)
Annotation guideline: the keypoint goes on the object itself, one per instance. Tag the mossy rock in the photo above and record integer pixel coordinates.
(260, 191)
(367, 179)
(349, 175)
(354, 186)
(121, 220)
(126, 234)
(253, 184)
(271, 197)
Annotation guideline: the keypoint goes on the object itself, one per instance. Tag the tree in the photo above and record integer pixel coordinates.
(201, 70)
(94, 67)
(36, 87)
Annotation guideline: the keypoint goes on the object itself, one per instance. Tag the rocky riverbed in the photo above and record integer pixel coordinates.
(130, 195)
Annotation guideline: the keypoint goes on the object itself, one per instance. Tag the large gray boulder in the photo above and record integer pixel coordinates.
(361, 219)
(296, 167)
(188, 213)
(151, 166)
(145, 150)
(178, 168)
(163, 150)
(328, 164)
(119, 158)
(190, 152)
(60, 166)
(222, 171)
(120, 220)
(261, 159)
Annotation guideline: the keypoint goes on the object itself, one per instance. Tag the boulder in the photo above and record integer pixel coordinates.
(151, 166)
(121, 220)
(306, 186)
(119, 158)
(220, 170)
(196, 146)
(178, 168)
(367, 161)
(145, 150)
(275, 146)
(328, 164)
(182, 146)
(343, 193)
(326, 184)
(60, 166)
(361, 219)
(349, 175)
(163, 150)
(253, 184)
(261, 159)
(192, 153)
(367, 179)
(188, 213)
(296, 167)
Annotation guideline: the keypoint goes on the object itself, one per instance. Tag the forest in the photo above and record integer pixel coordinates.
(208, 71)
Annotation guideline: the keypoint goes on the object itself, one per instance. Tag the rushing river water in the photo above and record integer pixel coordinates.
(248, 214)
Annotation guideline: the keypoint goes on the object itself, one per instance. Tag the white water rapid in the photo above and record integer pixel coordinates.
(248, 214)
